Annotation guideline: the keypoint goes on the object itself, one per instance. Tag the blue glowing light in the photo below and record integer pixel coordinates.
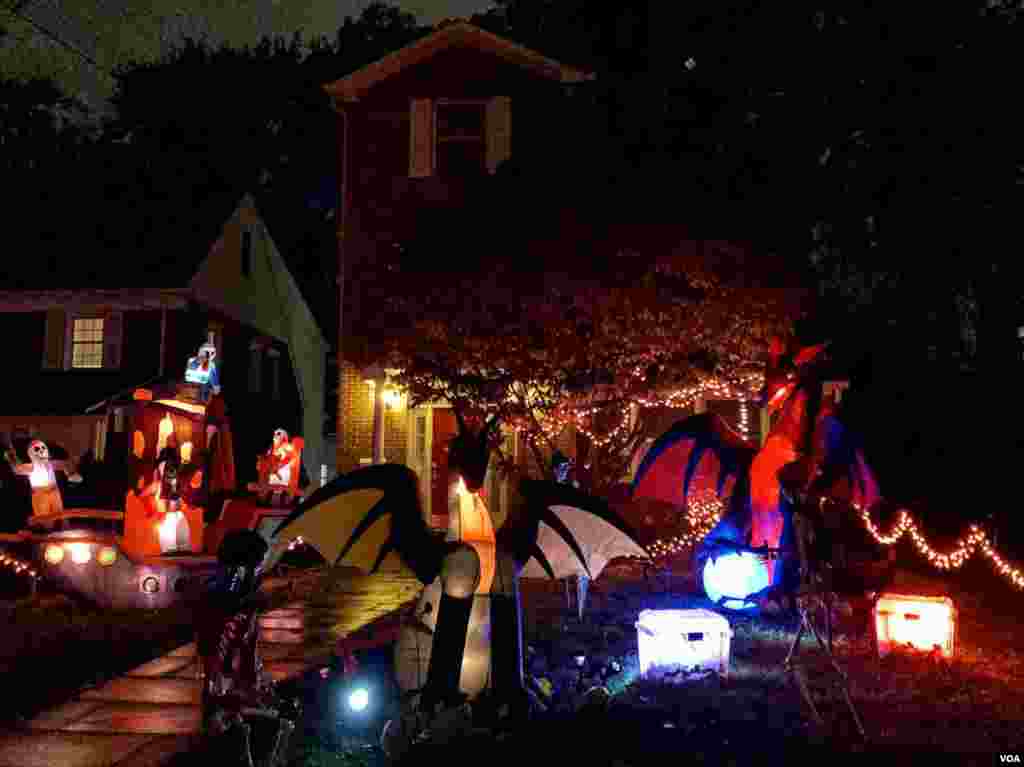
(359, 699)
(734, 576)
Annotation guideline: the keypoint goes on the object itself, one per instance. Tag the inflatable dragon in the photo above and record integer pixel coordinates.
(807, 451)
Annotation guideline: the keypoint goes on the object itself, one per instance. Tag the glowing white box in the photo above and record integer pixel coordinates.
(671, 640)
(923, 623)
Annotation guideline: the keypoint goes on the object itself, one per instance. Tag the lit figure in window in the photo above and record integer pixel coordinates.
(47, 504)
(202, 370)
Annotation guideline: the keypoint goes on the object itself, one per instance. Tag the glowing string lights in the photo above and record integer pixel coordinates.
(963, 550)
(13, 563)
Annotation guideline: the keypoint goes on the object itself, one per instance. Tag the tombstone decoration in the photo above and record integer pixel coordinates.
(47, 504)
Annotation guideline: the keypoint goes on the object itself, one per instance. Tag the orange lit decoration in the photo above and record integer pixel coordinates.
(473, 525)
(142, 395)
(186, 452)
(138, 444)
(918, 622)
(165, 430)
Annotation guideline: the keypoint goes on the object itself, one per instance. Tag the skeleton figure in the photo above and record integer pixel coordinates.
(47, 504)
(236, 690)
(202, 370)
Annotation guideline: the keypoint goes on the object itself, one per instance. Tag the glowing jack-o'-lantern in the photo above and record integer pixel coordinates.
(921, 623)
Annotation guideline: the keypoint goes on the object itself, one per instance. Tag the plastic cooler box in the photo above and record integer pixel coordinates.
(682, 640)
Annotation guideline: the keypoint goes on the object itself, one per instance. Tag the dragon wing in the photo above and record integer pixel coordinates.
(699, 455)
(567, 532)
(844, 473)
(370, 519)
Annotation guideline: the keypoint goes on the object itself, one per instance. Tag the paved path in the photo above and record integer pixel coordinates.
(144, 717)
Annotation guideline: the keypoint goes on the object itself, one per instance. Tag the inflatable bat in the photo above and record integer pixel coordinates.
(467, 636)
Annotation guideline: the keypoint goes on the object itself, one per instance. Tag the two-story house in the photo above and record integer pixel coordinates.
(417, 129)
(84, 334)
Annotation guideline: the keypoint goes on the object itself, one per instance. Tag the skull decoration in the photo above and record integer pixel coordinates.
(280, 437)
(38, 452)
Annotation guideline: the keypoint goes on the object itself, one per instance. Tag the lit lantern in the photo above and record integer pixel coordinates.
(186, 452)
(164, 432)
(923, 623)
(688, 640)
(734, 576)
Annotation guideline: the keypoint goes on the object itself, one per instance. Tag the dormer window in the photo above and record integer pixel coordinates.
(460, 146)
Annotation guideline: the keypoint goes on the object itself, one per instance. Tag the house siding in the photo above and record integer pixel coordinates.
(268, 300)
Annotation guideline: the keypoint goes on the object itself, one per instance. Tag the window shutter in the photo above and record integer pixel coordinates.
(421, 138)
(499, 131)
(112, 334)
(56, 328)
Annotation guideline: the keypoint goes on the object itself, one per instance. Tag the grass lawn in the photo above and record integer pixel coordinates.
(910, 706)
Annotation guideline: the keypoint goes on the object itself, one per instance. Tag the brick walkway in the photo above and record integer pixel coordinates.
(151, 713)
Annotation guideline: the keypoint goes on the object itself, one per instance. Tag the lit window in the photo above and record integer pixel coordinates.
(461, 139)
(87, 344)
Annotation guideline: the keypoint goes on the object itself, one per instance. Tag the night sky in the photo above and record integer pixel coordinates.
(115, 31)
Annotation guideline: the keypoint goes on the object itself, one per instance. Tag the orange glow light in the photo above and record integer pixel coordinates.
(923, 623)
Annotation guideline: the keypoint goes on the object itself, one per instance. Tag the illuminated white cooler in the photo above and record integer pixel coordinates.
(671, 640)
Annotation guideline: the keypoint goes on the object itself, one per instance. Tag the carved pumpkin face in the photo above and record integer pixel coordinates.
(38, 452)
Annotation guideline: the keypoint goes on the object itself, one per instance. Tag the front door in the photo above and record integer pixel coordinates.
(444, 428)
(418, 451)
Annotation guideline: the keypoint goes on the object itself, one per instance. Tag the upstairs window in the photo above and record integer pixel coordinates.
(461, 138)
(87, 343)
(458, 137)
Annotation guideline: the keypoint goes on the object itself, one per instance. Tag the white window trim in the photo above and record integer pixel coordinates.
(69, 340)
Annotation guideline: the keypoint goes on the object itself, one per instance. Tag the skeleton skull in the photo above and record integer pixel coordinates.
(38, 452)
(280, 436)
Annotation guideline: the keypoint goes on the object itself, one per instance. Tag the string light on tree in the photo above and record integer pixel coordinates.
(702, 514)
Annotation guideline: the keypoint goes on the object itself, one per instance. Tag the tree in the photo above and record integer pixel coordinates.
(539, 352)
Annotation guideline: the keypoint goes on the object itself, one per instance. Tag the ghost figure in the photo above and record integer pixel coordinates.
(202, 370)
(47, 503)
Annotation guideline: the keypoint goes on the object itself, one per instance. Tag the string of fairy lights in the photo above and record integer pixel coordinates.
(742, 388)
(704, 512)
(976, 540)
(18, 566)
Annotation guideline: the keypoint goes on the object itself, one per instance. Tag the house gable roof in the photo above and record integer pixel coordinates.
(458, 35)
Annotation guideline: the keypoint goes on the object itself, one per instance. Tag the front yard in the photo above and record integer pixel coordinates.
(910, 705)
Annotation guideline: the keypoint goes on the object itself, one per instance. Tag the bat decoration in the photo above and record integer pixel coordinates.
(808, 447)
(466, 636)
